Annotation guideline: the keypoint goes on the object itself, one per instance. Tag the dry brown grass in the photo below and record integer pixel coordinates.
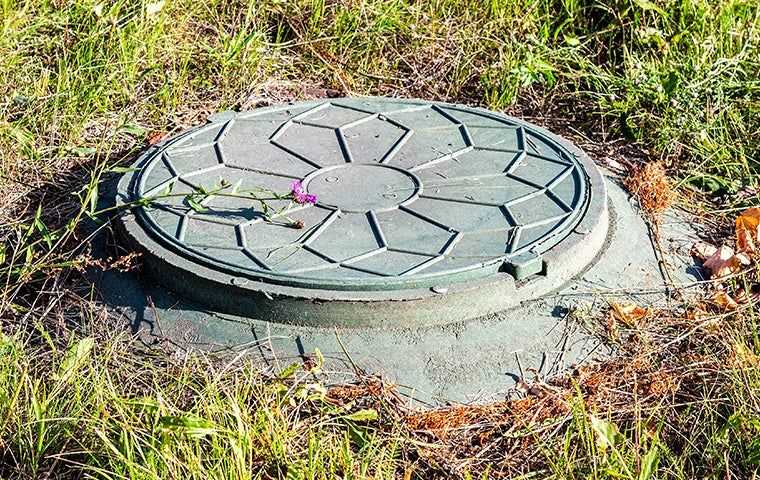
(666, 369)
(652, 187)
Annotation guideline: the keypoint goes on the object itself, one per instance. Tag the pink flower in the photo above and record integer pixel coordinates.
(300, 195)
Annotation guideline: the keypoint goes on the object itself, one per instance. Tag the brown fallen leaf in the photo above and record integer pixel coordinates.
(615, 165)
(723, 263)
(743, 258)
(610, 326)
(703, 250)
(742, 296)
(697, 312)
(629, 313)
(724, 300)
(748, 231)
(155, 137)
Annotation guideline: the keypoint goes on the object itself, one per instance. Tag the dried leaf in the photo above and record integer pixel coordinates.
(615, 165)
(156, 137)
(724, 300)
(611, 326)
(743, 258)
(703, 250)
(629, 313)
(723, 263)
(748, 231)
(742, 296)
(522, 387)
(697, 312)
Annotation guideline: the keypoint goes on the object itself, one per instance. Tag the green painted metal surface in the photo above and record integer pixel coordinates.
(410, 195)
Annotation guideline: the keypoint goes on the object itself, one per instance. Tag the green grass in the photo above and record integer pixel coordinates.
(91, 410)
(681, 76)
(88, 409)
(84, 83)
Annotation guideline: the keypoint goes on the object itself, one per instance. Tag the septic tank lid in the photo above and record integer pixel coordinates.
(410, 197)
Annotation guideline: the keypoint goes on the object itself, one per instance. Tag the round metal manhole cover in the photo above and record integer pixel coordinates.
(409, 195)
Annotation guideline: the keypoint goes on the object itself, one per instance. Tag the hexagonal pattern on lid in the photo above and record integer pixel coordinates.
(409, 193)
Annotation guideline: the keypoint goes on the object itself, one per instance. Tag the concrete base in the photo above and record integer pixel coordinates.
(475, 361)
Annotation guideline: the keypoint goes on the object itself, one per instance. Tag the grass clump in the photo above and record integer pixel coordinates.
(680, 402)
(650, 184)
(90, 410)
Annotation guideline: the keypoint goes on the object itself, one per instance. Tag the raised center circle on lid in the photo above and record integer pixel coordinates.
(360, 187)
(411, 195)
